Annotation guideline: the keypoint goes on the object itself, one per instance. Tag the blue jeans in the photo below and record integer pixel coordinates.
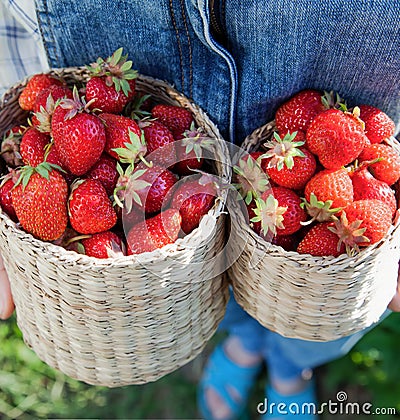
(286, 358)
(259, 53)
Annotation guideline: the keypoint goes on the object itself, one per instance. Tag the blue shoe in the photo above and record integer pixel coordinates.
(221, 374)
(290, 407)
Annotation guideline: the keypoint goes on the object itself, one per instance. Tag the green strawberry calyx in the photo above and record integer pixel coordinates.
(116, 69)
(75, 105)
(320, 211)
(282, 151)
(135, 108)
(195, 140)
(45, 113)
(129, 182)
(333, 100)
(350, 234)
(43, 169)
(252, 181)
(134, 150)
(269, 213)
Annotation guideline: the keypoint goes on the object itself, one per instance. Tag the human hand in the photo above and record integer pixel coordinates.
(394, 305)
(6, 301)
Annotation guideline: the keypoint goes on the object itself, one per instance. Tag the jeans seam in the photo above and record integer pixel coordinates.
(184, 17)
(171, 8)
(224, 53)
(223, 18)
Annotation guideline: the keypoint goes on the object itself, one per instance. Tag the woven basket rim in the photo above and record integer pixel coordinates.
(171, 249)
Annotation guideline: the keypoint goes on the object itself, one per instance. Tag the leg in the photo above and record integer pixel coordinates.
(233, 366)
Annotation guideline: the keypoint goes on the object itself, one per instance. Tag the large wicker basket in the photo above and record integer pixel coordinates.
(126, 320)
(306, 297)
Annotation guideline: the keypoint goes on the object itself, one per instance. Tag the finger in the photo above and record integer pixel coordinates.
(394, 305)
(6, 301)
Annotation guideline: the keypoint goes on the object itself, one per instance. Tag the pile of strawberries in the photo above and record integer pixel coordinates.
(102, 169)
(326, 181)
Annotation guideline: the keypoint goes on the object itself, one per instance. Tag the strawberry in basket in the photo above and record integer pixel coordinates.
(342, 167)
(105, 158)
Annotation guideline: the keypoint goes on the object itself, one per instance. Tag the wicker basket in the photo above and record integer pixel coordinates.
(126, 320)
(306, 297)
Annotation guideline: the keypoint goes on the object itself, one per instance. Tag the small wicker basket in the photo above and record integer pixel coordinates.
(306, 297)
(126, 320)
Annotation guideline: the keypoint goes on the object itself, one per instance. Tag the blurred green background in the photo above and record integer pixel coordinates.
(29, 389)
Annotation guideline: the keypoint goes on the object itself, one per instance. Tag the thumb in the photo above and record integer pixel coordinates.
(6, 301)
(394, 305)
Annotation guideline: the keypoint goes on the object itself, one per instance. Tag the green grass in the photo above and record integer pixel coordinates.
(30, 389)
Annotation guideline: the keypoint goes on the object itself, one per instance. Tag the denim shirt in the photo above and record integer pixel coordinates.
(239, 59)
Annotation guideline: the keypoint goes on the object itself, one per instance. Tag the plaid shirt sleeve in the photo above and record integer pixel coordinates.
(21, 49)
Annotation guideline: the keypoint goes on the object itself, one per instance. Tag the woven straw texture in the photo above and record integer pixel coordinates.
(126, 320)
(306, 297)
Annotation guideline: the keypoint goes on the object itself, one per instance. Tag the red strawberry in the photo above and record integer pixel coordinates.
(40, 201)
(193, 200)
(336, 137)
(149, 187)
(35, 85)
(378, 125)
(176, 118)
(105, 171)
(186, 162)
(10, 146)
(294, 214)
(296, 113)
(32, 147)
(90, 209)
(330, 185)
(105, 97)
(191, 147)
(52, 156)
(320, 241)
(285, 215)
(388, 167)
(103, 245)
(287, 242)
(128, 219)
(79, 137)
(160, 143)
(367, 187)
(363, 223)
(120, 144)
(6, 186)
(45, 104)
(155, 232)
(288, 163)
(112, 83)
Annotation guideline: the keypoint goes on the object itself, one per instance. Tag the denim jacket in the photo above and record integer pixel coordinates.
(239, 59)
